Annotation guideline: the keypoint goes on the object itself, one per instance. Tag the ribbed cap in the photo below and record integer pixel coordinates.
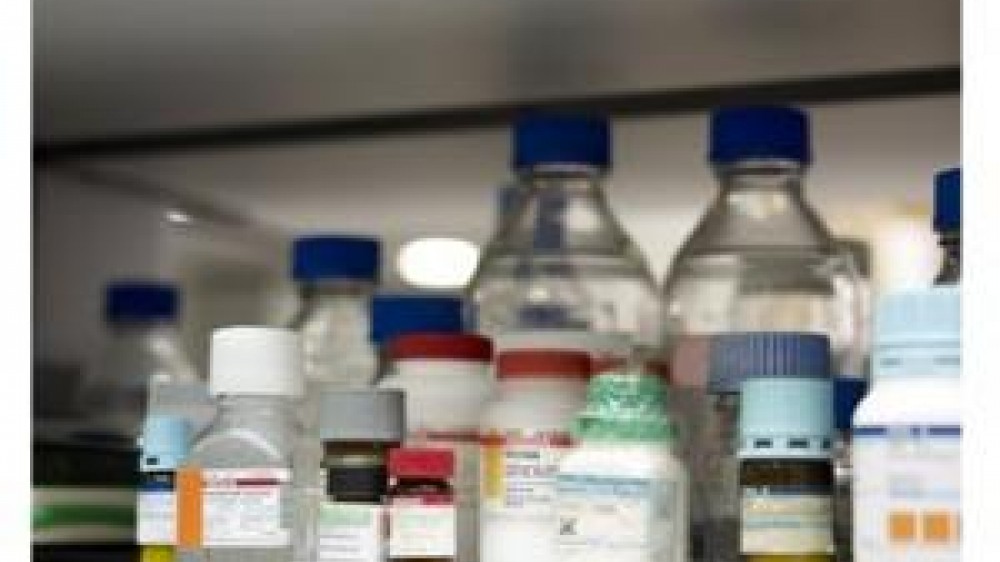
(166, 441)
(362, 415)
(455, 347)
(255, 360)
(847, 394)
(412, 462)
(394, 315)
(948, 200)
(738, 356)
(918, 332)
(141, 300)
(335, 256)
(561, 139)
(786, 417)
(625, 406)
(542, 363)
(739, 133)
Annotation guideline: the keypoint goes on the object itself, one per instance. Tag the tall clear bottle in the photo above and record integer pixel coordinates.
(760, 259)
(562, 260)
(144, 350)
(242, 466)
(948, 224)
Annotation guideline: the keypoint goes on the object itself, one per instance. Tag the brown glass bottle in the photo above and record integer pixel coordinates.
(809, 481)
(422, 520)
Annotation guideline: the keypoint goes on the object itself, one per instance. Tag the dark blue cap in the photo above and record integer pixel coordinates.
(948, 200)
(739, 133)
(335, 257)
(140, 301)
(562, 139)
(847, 393)
(397, 314)
(735, 357)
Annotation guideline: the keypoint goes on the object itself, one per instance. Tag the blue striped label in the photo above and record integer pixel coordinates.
(907, 431)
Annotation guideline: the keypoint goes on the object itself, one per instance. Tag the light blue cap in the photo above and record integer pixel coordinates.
(166, 441)
(784, 417)
(918, 333)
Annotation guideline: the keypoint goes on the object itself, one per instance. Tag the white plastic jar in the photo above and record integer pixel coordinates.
(447, 381)
(907, 434)
(524, 435)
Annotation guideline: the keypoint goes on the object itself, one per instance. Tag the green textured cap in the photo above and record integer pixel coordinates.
(625, 406)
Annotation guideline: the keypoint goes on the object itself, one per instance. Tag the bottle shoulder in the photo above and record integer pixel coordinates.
(911, 401)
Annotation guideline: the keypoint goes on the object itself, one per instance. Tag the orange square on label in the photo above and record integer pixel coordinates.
(902, 526)
(938, 527)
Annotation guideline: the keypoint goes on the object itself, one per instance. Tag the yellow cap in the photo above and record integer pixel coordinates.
(156, 553)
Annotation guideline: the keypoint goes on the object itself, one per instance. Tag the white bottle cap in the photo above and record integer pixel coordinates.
(597, 344)
(255, 360)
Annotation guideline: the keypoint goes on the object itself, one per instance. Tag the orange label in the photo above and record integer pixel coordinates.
(189, 508)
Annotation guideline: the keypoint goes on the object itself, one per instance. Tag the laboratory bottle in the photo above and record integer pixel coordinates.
(357, 428)
(733, 358)
(847, 394)
(164, 445)
(525, 431)
(786, 470)
(948, 224)
(908, 431)
(448, 380)
(422, 515)
(398, 314)
(237, 500)
(143, 349)
(562, 260)
(621, 494)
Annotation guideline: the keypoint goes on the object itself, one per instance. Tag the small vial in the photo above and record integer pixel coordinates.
(165, 444)
(357, 428)
(422, 522)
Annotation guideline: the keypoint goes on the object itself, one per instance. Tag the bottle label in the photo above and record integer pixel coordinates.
(787, 519)
(603, 518)
(907, 493)
(519, 473)
(423, 526)
(244, 507)
(156, 509)
(350, 532)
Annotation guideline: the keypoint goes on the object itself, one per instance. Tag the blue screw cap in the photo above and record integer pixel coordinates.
(335, 256)
(551, 138)
(743, 132)
(394, 315)
(736, 357)
(948, 200)
(139, 300)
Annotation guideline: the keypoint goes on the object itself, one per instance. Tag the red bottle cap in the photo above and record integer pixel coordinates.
(459, 347)
(408, 462)
(543, 363)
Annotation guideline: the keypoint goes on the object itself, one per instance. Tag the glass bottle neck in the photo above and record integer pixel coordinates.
(767, 176)
(335, 289)
(580, 178)
(236, 408)
(951, 260)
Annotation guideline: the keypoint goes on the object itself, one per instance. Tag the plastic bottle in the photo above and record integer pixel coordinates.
(144, 349)
(621, 494)
(907, 433)
(422, 521)
(165, 443)
(525, 433)
(948, 224)
(734, 358)
(562, 260)
(447, 380)
(237, 501)
(786, 472)
(398, 314)
(358, 428)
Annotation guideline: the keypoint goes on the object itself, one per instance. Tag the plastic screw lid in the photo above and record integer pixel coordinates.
(627, 406)
(739, 133)
(421, 463)
(255, 360)
(562, 139)
(141, 300)
(783, 417)
(738, 356)
(948, 200)
(847, 394)
(456, 347)
(333, 256)
(918, 332)
(541, 363)
(394, 315)
(362, 415)
(166, 441)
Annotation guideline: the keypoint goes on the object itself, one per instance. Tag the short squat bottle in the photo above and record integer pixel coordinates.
(786, 472)
(422, 522)
(948, 224)
(238, 503)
